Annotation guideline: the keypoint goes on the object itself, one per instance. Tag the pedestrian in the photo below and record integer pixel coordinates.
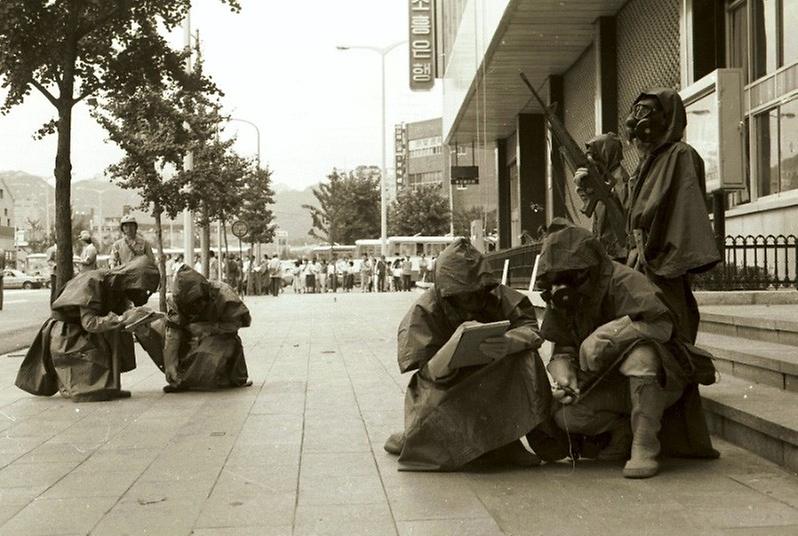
(381, 269)
(454, 416)
(396, 272)
(88, 256)
(275, 275)
(131, 244)
(202, 349)
(431, 269)
(213, 267)
(52, 263)
(310, 277)
(169, 265)
(233, 273)
(332, 274)
(82, 349)
(617, 353)
(265, 276)
(422, 268)
(296, 273)
(322, 276)
(407, 274)
(365, 274)
(350, 278)
(197, 263)
(342, 267)
(670, 233)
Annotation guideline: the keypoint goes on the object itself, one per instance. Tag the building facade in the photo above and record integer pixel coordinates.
(7, 230)
(592, 59)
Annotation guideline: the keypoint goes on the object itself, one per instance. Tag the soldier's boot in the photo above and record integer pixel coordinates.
(549, 442)
(395, 443)
(620, 443)
(649, 401)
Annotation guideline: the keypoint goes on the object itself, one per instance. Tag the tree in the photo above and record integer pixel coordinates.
(349, 208)
(422, 210)
(257, 196)
(461, 220)
(69, 50)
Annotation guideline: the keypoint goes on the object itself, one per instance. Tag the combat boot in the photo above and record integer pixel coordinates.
(649, 401)
(619, 444)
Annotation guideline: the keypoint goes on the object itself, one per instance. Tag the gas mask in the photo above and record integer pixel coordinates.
(646, 121)
(566, 289)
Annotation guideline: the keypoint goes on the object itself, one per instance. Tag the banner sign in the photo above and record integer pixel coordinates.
(464, 175)
(422, 44)
(400, 154)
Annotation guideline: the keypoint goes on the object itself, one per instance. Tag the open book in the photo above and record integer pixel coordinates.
(467, 353)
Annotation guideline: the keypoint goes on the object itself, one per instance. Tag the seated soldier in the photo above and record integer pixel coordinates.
(83, 348)
(616, 354)
(202, 349)
(453, 417)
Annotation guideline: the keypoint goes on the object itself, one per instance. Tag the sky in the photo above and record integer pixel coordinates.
(277, 63)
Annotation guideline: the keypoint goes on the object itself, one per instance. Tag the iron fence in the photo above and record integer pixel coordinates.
(750, 262)
(758, 262)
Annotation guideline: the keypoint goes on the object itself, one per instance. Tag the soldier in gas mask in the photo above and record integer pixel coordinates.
(621, 370)
(667, 221)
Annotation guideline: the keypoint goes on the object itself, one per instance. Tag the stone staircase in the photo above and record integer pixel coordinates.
(755, 403)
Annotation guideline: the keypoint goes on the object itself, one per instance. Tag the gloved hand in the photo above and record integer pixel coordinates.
(522, 338)
(495, 347)
(563, 372)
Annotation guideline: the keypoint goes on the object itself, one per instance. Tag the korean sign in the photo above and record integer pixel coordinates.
(422, 44)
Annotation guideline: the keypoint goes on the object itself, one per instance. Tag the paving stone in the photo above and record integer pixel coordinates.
(66, 516)
(246, 506)
(450, 527)
(34, 474)
(340, 490)
(173, 517)
(92, 484)
(353, 520)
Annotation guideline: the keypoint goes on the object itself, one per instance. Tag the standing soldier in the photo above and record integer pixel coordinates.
(670, 236)
(88, 257)
(131, 244)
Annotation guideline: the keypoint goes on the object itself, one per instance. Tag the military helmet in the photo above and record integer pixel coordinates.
(128, 219)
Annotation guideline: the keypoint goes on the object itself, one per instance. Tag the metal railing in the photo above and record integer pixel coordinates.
(750, 262)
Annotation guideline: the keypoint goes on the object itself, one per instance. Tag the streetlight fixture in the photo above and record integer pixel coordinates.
(257, 131)
(382, 51)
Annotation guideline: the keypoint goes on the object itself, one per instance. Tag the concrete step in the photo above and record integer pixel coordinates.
(756, 417)
(768, 323)
(747, 297)
(762, 362)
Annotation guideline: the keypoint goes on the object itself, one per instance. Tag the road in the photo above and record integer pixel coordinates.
(23, 312)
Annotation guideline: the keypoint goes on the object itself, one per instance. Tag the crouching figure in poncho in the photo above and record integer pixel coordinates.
(202, 349)
(83, 348)
(624, 375)
(454, 416)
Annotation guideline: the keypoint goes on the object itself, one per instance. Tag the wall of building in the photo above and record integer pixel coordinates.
(7, 220)
(648, 44)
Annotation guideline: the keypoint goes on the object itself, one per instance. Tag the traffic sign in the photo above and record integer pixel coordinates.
(240, 229)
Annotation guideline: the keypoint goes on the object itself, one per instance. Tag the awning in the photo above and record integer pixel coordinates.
(539, 37)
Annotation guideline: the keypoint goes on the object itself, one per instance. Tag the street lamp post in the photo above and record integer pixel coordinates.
(257, 132)
(382, 51)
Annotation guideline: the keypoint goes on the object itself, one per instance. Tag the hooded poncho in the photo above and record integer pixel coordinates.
(667, 199)
(607, 151)
(480, 408)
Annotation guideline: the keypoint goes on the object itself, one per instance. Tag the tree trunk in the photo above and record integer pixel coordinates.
(250, 282)
(161, 258)
(205, 241)
(63, 201)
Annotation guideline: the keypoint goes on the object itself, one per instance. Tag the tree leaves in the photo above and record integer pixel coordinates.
(420, 210)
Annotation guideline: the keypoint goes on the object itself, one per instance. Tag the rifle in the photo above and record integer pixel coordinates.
(597, 178)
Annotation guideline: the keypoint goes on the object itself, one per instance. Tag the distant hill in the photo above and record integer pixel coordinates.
(31, 193)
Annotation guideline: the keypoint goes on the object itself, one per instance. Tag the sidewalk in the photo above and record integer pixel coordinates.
(300, 452)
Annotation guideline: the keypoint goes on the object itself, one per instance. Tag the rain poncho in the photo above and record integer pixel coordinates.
(82, 349)
(622, 308)
(479, 409)
(666, 203)
(202, 348)
(607, 151)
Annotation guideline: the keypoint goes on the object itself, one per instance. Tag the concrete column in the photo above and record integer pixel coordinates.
(503, 178)
(605, 43)
(532, 163)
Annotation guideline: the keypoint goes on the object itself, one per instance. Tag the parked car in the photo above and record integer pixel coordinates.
(17, 279)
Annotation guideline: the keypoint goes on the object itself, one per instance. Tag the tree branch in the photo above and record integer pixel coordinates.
(44, 91)
(100, 21)
(82, 96)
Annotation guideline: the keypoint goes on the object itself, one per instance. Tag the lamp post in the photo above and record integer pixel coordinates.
(382, 51)
(257, 131)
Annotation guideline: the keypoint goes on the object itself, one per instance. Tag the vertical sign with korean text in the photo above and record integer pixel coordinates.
(422, 44)
(400, 157)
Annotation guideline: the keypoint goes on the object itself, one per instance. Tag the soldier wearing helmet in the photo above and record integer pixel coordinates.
(131, 245)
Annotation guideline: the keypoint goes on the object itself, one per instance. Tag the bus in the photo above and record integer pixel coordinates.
(405, 246)
(328, 252)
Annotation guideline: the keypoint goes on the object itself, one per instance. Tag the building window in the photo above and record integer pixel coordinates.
(429, 177)
(789, 23)
(738, 38)
(765, 37)
(776, 138)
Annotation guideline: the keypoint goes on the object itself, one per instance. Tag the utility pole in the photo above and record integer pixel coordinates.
(188, 163)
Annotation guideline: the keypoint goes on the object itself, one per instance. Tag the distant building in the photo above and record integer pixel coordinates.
(421, 158)
(7, 232)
